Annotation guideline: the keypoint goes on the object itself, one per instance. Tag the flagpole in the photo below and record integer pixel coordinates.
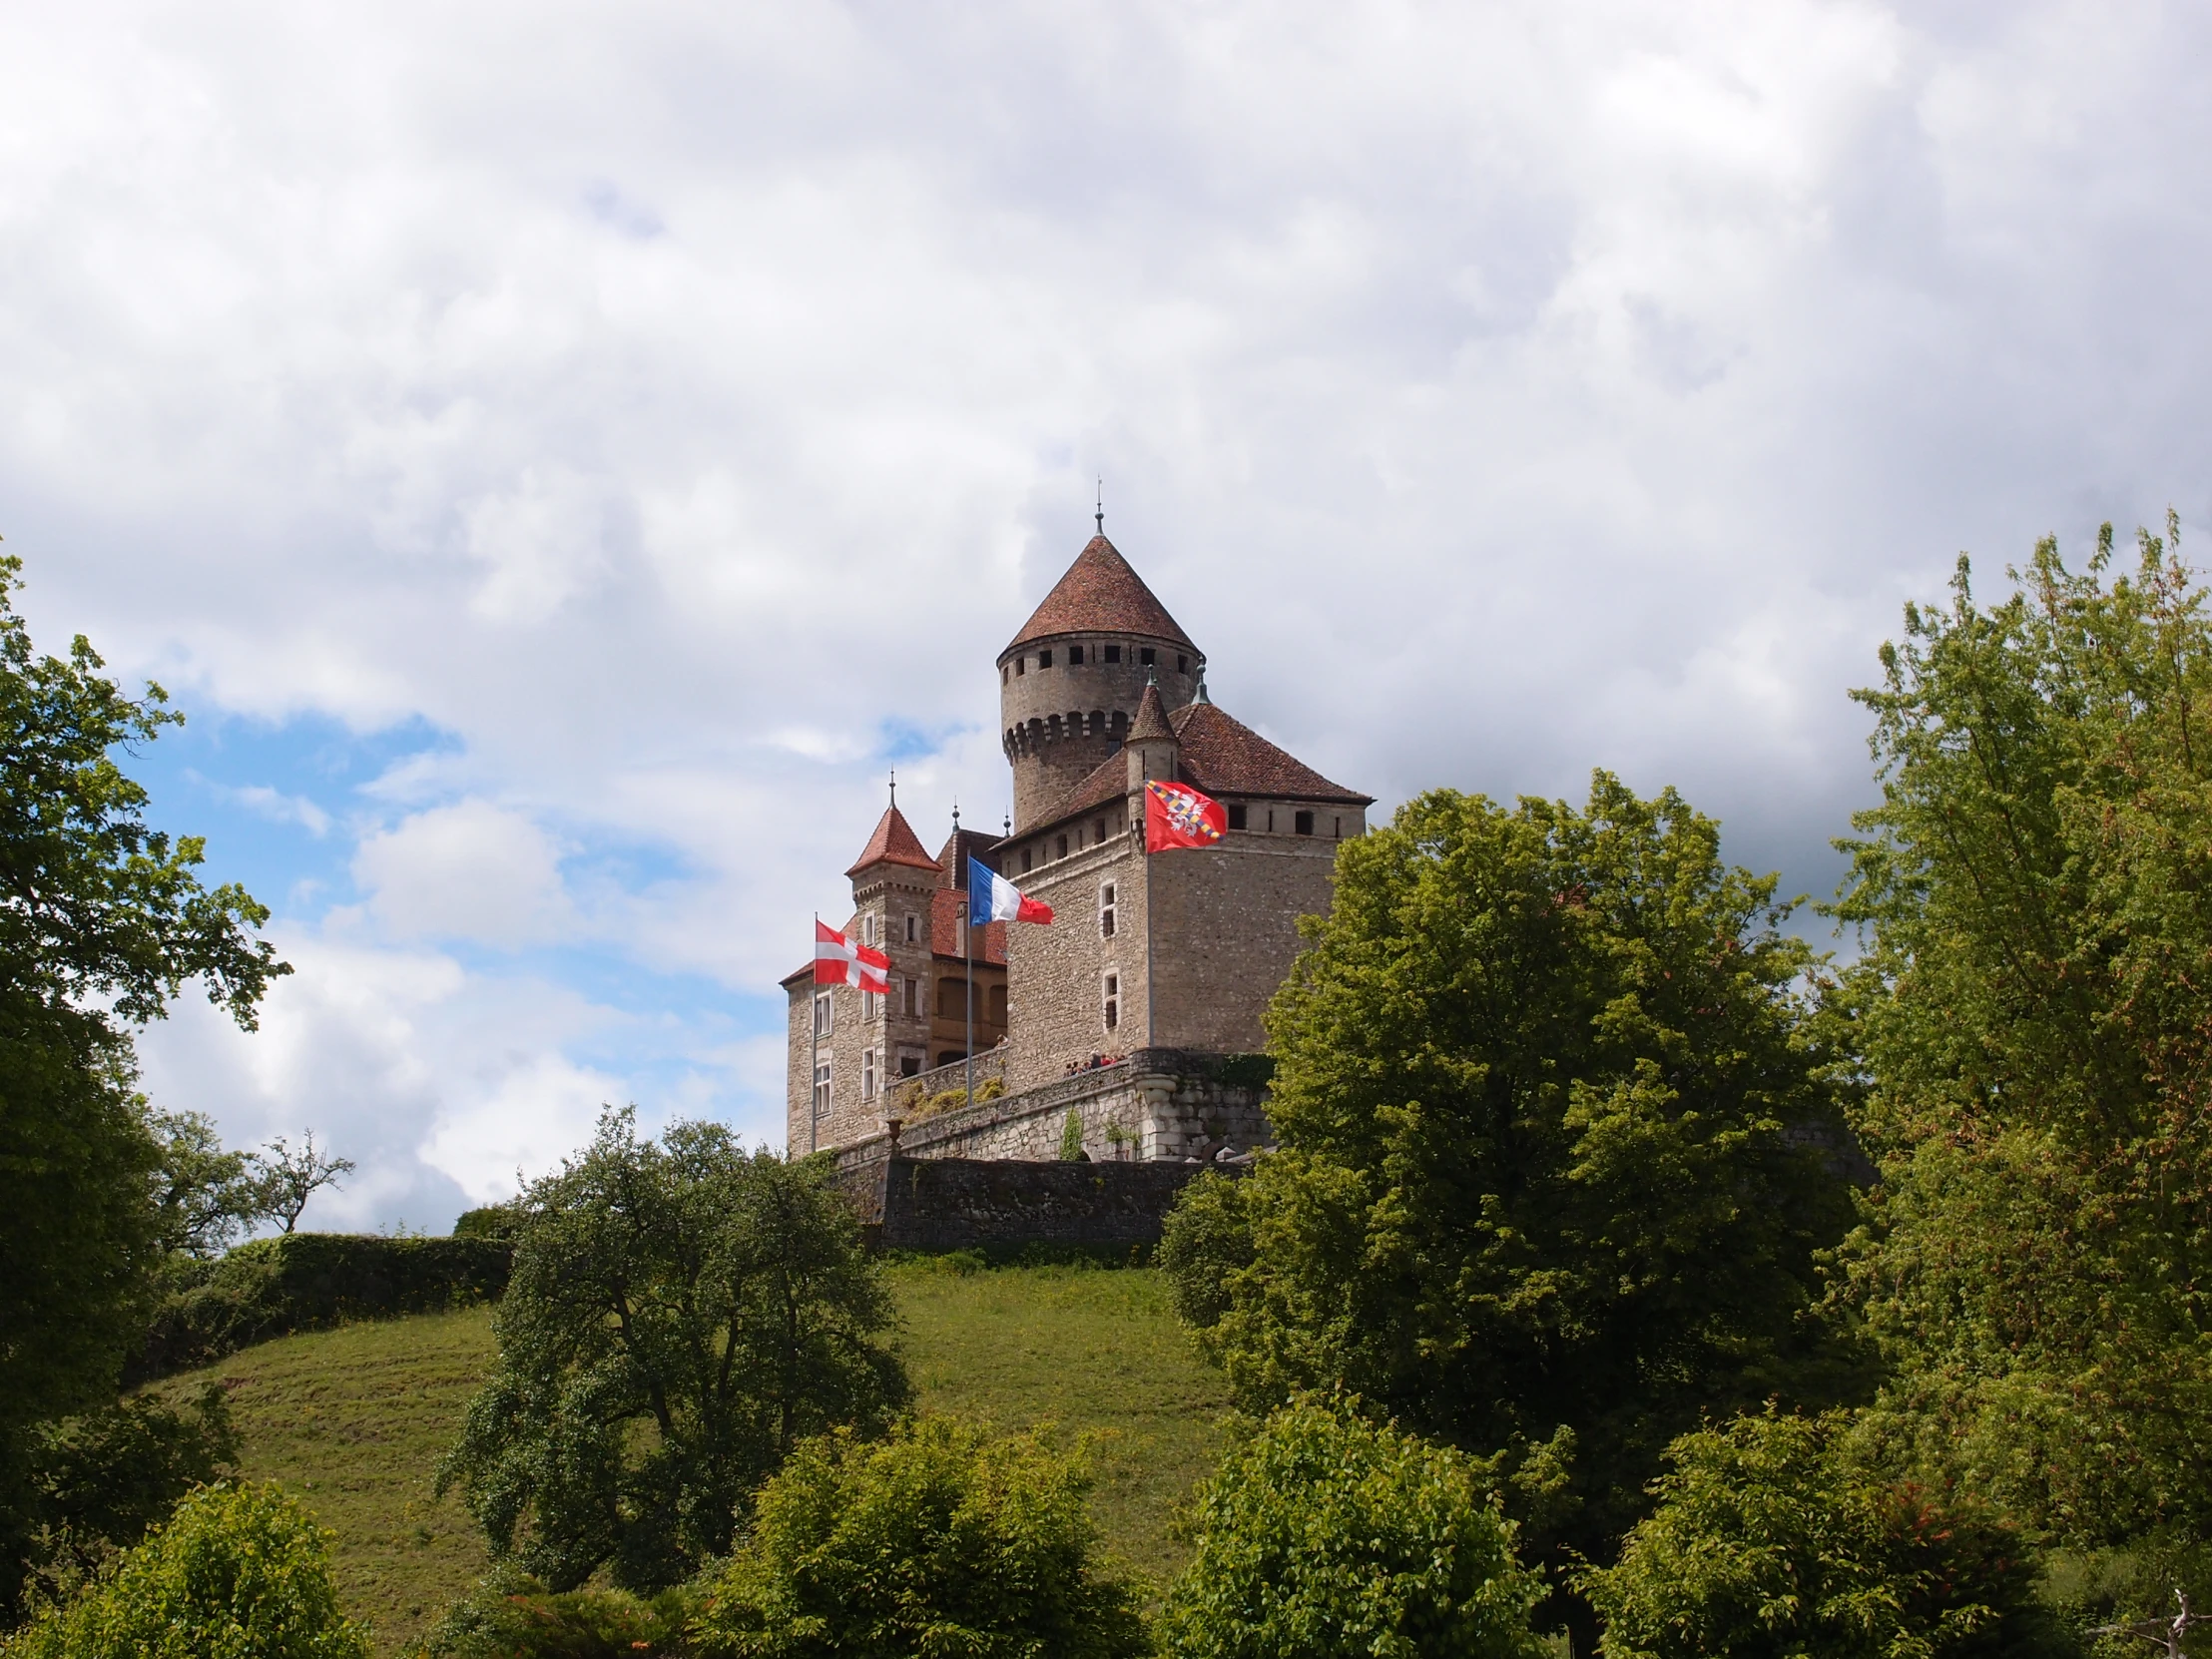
(813, 1104)
(967, 943)
(1149, 1040)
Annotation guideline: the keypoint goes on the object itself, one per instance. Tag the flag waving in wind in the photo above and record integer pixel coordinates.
(1178, 817)
(992, 897)
(841, 961)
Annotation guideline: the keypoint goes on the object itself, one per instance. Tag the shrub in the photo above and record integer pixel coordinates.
(240, 1572)
(514, 1616)
(490, 1221)
(1769, 1540)
(1330, 1535)
(99, 1480)
(1072, 1138)
(272, 1287)
(1206, 1239)
(940, 1539)
(989, 1089)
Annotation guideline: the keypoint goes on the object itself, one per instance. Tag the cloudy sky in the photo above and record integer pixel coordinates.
(562, 455)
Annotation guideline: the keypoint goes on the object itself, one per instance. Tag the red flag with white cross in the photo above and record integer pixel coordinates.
(842, 962)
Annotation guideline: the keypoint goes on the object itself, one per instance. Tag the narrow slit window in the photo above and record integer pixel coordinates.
(909, 929)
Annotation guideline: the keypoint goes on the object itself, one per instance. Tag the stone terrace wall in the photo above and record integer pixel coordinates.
(1157, 1103)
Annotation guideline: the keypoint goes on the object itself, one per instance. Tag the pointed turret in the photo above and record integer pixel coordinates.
(893, 842)
(1151, 745)
(1070, 681)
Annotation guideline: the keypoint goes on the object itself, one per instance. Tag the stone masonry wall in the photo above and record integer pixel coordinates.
(963, 1204)
(1225, 937)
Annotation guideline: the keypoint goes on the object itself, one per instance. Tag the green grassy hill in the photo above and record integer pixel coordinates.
(355, 1421)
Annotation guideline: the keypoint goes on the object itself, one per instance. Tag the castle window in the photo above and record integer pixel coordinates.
(909, 929)
(1146, 656)
(822, 1089)
(1236, 815)
(1338, 834)
(1182, 664)
(1304, 824)
(1106, 909)
(1098, 830)
(1113, 1001)
(1063, 846)
(1113, 653)
(871, 1006)
(821, 1016)
(1044, 659)
(1270, 821)
(997, 1014)
(867, 1074)
(1026, 856)
(909, 1063)
(909, 998)
(1021, 665)
(1075, 656)
(1003, 676)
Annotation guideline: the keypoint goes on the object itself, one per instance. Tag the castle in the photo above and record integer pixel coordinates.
(1123, 1014)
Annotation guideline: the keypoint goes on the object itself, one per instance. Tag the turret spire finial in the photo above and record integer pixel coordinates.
(956, 814)
(894, 789)
(1100, 515)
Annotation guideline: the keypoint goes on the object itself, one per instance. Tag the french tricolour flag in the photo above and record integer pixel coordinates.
(992, 897)
(842, 962)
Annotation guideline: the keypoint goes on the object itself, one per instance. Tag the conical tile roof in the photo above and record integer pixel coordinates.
(1150, 722)
(894, 843)
(1100, 594)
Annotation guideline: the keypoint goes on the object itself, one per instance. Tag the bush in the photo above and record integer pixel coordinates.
(490, 1221)
(514, 1616)
(272, 1287)
(940, 1539)
(1206, 1239)
(240, 1572)
(99, 1482)
(1330, 1535)
(1072, 1138)
(1769, 1540)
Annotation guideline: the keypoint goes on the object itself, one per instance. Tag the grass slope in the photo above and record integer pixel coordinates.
(355, 1421)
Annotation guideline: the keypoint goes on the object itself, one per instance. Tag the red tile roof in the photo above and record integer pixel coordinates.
(961, 846)
(945, 931)
(1100, 594)
(894, 843)
(1219, 755)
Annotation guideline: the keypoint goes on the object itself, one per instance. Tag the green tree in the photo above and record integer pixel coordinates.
(102, 919)
(1772, 1539)
(1326, 1534)
(2037, 894)
(681, 1316)
(240, 1572)
(940, 1539)
(206, 1194)
(1536, 1193)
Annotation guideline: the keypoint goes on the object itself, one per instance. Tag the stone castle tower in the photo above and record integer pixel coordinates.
(1164, 959)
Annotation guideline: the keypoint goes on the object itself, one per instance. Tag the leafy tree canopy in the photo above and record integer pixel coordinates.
(681, 1314)
(1772, 1539)
(1328, 1535)
(1536, 1193)
(2032, 1011)
(940, 1539)
(238, 1572)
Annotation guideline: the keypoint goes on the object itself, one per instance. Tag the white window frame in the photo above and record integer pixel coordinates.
(1109, 999)
(824, 1080)
(868, 1074)
(826, 1015)
(1108, 919)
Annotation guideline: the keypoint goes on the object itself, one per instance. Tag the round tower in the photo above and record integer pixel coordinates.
(1070, 681)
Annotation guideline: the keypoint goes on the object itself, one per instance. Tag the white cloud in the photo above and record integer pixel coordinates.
(665, 400)
(470, 871)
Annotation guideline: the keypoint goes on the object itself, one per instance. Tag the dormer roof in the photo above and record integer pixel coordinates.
(1100, 594)
(894, 843)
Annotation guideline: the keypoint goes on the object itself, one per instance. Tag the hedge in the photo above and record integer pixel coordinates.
(304, 1281)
